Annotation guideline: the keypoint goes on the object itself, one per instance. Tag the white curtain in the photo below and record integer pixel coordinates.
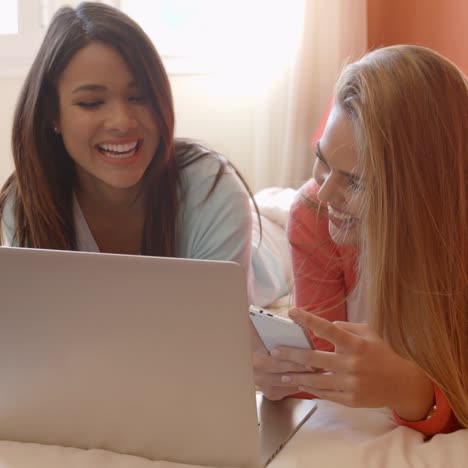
(334, 31)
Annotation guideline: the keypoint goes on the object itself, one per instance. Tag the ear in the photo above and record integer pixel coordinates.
(56, 127)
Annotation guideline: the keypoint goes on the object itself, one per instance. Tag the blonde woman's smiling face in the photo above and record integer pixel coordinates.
(335, 171)
(106, 122)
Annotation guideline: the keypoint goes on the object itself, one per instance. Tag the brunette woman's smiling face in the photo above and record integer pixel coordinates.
(335, 171)
(106, 122)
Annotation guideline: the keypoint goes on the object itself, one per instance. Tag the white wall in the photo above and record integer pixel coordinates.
(9, 91)
(206, 110)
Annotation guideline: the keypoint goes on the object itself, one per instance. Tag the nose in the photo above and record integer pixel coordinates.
(329, 191)
(326, 193)
(121, 118)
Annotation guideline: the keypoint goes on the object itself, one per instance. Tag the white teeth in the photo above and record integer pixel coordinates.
(119, 148)
(340, 216)
(126, 150)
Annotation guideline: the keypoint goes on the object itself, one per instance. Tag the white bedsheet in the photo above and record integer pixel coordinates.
(337, 436)
(23, 455)
(334, 436)
(271, 257)
(271, 264)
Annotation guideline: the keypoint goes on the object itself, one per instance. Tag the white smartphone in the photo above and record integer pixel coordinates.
(275, 330)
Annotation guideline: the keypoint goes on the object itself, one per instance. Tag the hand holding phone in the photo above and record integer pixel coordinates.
(275, 330)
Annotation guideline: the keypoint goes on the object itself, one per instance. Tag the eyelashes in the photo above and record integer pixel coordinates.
(319, 158)
(89, 104)
(352, 182)
(138, 99)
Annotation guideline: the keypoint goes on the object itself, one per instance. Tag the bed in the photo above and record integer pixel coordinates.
(334, 436)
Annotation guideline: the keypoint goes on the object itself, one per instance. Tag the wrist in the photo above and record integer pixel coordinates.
(416, 399)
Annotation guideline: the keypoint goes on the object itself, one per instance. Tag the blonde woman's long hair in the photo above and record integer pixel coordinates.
(409, 108)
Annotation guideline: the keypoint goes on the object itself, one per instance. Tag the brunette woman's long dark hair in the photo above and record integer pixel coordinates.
(42, 185)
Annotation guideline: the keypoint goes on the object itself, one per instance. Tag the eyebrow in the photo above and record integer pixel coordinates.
(89, 87)
(352, 176)
(98, 87)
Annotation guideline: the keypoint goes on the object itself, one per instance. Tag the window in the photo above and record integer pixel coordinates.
(20, 34)
(214, 35)
(22, 27)
(192, 36)
(9, 18)
(186, 33)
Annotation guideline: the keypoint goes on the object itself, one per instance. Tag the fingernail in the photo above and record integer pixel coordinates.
(285, 379)
(275, 353)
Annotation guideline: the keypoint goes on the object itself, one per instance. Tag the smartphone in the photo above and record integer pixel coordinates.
(275, 330)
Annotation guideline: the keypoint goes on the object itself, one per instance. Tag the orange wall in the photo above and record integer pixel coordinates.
(441, 25)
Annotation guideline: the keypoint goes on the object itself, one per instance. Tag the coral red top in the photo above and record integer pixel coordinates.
(324, 275)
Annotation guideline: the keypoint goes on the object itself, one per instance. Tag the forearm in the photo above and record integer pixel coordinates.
(421, 405)
(441, 421)
(414, 397)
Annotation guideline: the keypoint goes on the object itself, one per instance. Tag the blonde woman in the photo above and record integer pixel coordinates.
(381, 234)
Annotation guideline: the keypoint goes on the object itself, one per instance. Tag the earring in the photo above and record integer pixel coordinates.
(56, 129)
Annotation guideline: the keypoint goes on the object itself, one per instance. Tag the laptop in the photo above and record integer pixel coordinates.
(138, 355)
